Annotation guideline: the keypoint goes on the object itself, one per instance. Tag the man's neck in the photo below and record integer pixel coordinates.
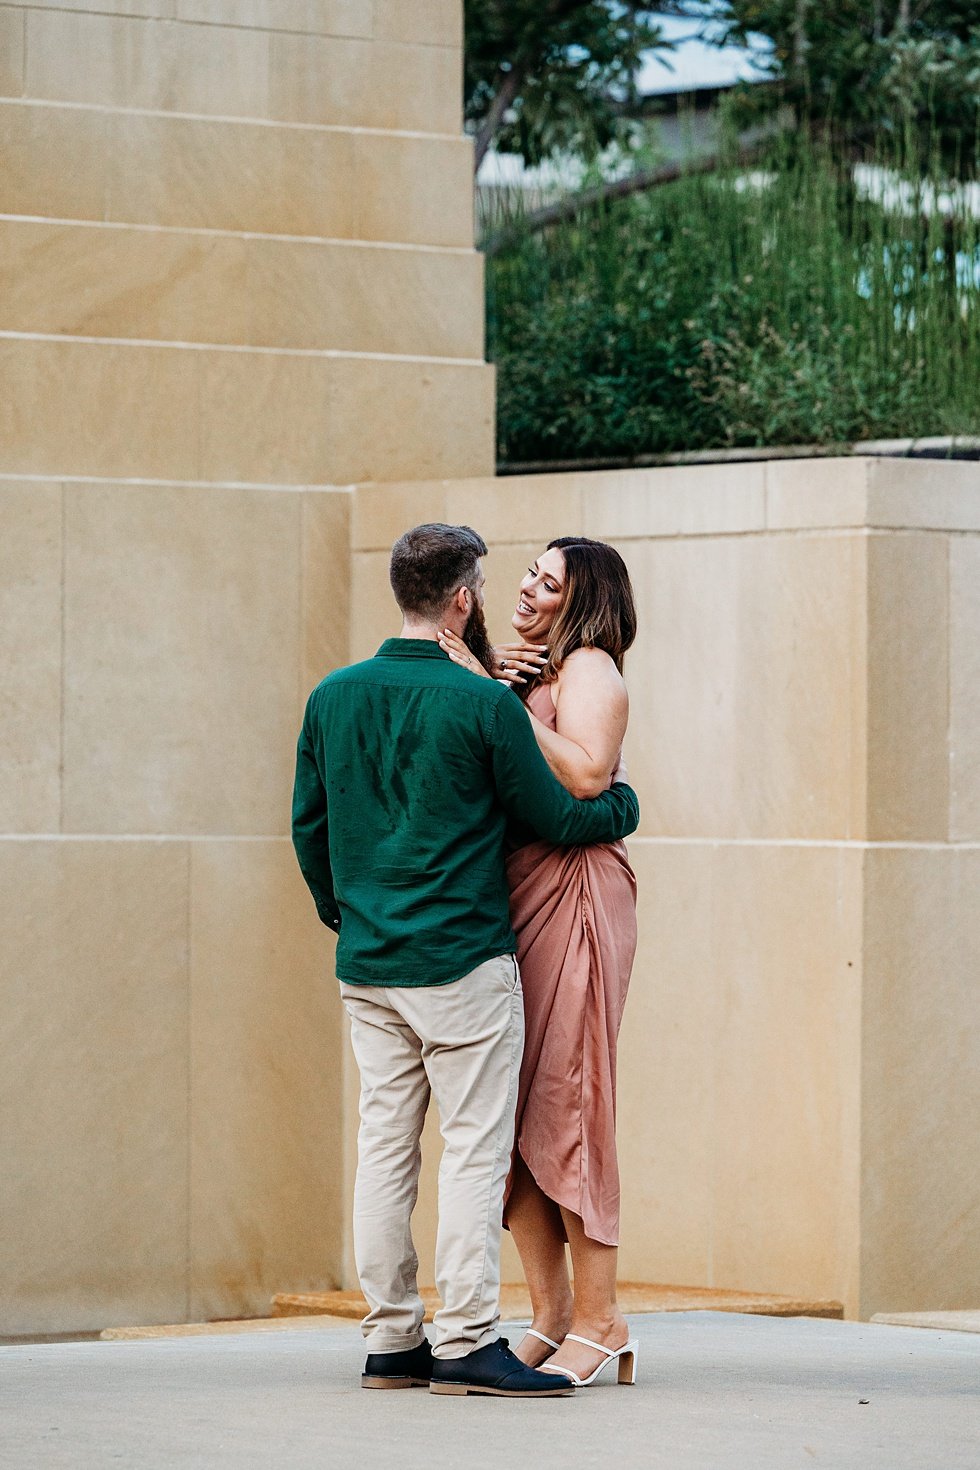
(429, 632)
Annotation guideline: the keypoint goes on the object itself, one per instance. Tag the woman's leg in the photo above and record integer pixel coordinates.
(596, 1313)
(535, 1222)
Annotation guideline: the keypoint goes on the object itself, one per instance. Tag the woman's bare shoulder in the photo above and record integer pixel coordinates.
(591, 668)
(591, 663)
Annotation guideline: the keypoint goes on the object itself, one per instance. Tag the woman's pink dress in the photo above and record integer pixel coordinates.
(574, 913)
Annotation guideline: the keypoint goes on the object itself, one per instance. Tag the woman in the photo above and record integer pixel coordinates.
(574, 914)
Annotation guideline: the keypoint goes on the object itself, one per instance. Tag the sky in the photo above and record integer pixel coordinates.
(694, 63)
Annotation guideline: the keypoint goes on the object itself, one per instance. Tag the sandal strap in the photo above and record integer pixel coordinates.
(562, 1372)
(609, 1352)
(533, 1332)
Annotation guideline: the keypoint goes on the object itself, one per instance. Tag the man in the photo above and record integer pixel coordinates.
(408, 769)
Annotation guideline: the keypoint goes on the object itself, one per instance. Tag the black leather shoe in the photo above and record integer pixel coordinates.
(494, 1369)
(410, 1369)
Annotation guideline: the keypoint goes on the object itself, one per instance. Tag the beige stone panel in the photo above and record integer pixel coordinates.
(924, 494)
(105, 410)
(182, 611)
(171, 286)
(434, 22)
(11, 52)
(271, 416)
(964, 688)
(786, 927)
(201, 172)
(325, 610)
(364, 299)
(93, 1090)
(666, 1070)
(809, 494)
(858, 674)
(406, 420)
(520, 508)
(111, 282)
(126, 61)
(265, 1090)
(71, 163)
(30, 656)
(320, 420)
(920, 1225)
(381, 513)
(185, 413)
(55, 160)
(120, 61)
(321, 17)
(681, 500)
(374, 615)
(881, 492)
(363, 84)
(741, 685)
(413, 189)
(147, 9)
(908, 696)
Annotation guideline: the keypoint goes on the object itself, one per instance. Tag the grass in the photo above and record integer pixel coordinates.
(784, 306)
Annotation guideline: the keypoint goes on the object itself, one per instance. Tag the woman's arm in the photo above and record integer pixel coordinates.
(591, 711)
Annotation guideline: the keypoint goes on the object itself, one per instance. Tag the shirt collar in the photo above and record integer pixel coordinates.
(410, 648)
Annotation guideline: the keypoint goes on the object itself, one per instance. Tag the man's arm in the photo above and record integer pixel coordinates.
(529, 792)
(310, 832)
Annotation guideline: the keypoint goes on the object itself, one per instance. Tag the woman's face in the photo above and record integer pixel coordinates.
(540, 596)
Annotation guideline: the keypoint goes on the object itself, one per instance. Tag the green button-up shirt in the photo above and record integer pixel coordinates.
(408, 770)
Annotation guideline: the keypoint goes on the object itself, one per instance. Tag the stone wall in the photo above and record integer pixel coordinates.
(800, 1069)
(237, 279)
(236, 274)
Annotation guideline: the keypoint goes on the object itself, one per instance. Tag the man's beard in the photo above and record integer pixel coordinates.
(477, 639)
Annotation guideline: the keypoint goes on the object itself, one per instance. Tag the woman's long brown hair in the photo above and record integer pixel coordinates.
(597, 609)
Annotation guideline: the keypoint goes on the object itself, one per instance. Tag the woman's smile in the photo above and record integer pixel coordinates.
(540, 595)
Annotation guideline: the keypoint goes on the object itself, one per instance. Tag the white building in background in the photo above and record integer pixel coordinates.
(680, 91)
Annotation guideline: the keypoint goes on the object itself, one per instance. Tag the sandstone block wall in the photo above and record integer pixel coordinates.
(236, 274)
(240, 352)
(799, 1069)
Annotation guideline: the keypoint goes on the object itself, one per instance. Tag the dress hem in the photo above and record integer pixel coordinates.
(568, 1204)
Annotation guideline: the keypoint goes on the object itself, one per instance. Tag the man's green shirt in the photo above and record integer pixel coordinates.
(409, 769)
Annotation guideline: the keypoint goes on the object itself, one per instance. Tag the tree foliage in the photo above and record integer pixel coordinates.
(550, 76)
(559, 76)
(867, 66)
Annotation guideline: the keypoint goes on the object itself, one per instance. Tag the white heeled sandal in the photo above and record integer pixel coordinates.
(625, 1356)
(549, 1342)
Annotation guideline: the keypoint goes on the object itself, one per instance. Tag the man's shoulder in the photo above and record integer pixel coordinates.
(347, 674)
(444, 676)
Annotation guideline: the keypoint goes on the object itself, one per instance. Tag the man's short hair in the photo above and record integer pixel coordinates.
(430, 563)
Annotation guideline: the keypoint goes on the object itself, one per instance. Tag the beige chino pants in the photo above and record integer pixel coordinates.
(463, 1043)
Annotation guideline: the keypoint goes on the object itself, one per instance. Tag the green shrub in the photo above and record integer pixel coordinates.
(733, 309)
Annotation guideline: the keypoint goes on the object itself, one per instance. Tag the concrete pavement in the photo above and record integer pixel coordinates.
(715, 1390)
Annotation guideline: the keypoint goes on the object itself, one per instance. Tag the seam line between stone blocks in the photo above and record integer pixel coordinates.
(213, 232)
(218, 117)
(329, 353)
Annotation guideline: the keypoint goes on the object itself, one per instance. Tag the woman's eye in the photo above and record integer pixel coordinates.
(532, 571)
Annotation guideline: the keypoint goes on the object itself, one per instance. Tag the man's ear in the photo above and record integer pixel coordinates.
(464, 601)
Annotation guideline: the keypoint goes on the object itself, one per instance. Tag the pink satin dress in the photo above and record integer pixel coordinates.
(574, 913)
